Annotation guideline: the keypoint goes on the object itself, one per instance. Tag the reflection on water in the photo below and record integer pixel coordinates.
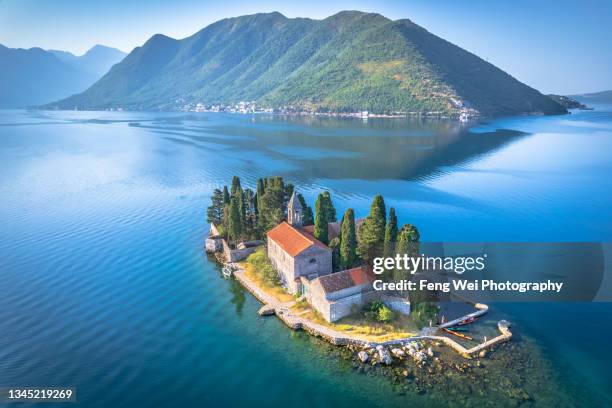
(104, 285)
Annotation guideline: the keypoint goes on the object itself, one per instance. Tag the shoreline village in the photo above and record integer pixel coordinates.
(313, 270)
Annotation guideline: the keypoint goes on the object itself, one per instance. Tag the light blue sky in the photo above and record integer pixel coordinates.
(555, 46)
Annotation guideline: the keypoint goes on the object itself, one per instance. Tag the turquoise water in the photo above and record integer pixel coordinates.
(104, 286)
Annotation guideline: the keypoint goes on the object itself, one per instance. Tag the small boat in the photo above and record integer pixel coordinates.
(458, 329)
(463, 336)
(227, 271)
(469, 320)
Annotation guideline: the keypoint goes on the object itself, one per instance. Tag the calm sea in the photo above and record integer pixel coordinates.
(104, 286)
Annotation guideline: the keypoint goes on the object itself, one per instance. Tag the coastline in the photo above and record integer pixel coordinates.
(271, 305)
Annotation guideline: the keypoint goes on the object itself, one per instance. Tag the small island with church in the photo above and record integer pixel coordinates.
(314, 273)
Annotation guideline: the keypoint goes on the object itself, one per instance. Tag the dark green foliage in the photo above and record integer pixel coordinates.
(334, 245)
(348, 240)
(351, 61)
(307, 218)
(391, 229)
(235, 185)
(329, 207)
(378, 311)
(250, 207)
(226, 195)
(214, 213)
(372, 232)
(320, 226)
(408, 241)
(235, 220)
(272, 204)
(408, 233)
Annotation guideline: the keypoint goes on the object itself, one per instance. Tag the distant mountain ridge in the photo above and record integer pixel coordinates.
(97, 60)
(351, 61)
(597, 97)
(30, 77)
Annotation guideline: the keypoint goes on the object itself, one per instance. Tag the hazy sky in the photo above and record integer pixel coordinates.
(562, 46)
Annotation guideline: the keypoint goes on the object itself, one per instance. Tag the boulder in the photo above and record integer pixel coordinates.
(384, 355)
(398, 352)
(266, 310)
(363, 356)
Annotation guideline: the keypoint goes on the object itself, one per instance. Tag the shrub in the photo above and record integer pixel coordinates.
(378, 311)
(261, 265)
(385, 314)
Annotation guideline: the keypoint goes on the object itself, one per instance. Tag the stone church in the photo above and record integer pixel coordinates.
(296, 253)
(304, 265)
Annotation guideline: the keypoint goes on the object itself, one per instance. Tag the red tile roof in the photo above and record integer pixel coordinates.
(293, 240)
(346, 279)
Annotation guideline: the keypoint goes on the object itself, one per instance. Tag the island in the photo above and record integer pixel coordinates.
(314, 273)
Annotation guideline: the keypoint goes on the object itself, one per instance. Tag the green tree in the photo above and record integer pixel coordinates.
(408, 234)
(334, 245)
(320, 226)
(391, 229)
(214, 213)
(235, 220)
(348, 240)
(226, 195)
(307, 218)
(372, 231)
(329, 207)
(272, 204)
(235, 185)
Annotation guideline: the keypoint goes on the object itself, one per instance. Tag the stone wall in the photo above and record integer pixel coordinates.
(397, 304)
(313, 261)
(236, 255)
(284, 264)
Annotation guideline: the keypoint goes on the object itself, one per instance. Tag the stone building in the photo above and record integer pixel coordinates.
(338, 295)
(294, 252)
(304, 265)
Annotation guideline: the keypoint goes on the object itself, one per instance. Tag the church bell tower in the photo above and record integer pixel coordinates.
(294, 211)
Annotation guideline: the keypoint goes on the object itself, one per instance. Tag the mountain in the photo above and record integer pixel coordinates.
(35, 76)
(595, 97)
(97, 60)
(348, 62)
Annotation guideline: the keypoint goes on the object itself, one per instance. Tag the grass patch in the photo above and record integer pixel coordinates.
(366, 329)
(259, 270)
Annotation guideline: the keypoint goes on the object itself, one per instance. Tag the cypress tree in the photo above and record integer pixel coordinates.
(391, 230)
(408, 240)
(307, 218)
(320, 226)
(226, 195)
(329, 207)
(214, 213)
(348, 240)
(235, 185)
(372, 232)
(235, 220)
(334, 245)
